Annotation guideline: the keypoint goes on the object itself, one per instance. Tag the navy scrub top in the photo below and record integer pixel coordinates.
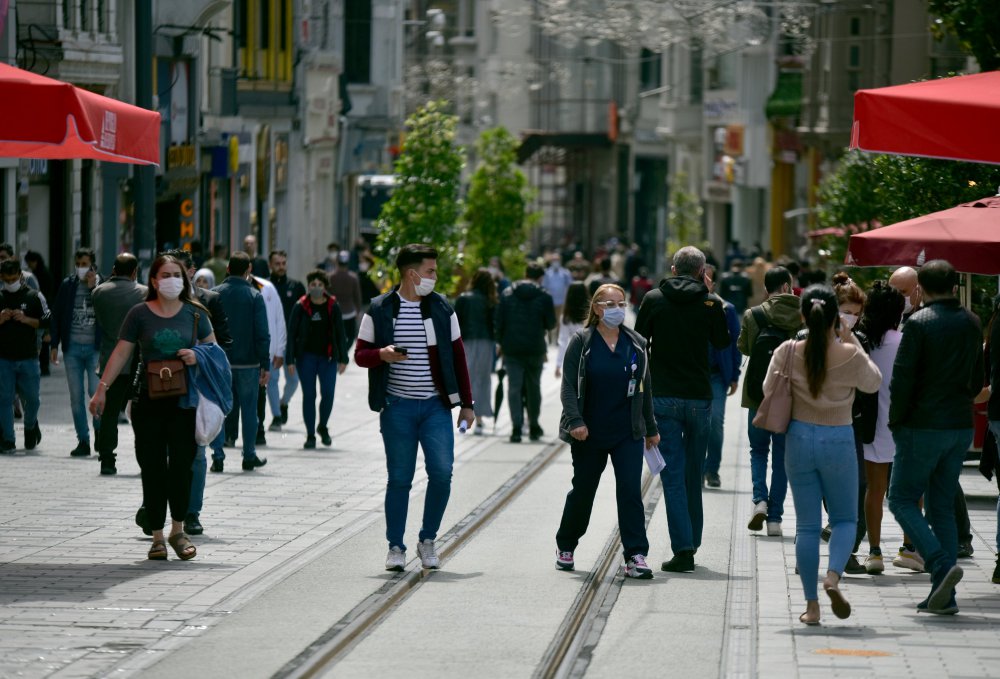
(607, 408)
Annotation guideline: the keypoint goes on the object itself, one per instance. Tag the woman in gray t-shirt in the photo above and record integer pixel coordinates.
(166, 326)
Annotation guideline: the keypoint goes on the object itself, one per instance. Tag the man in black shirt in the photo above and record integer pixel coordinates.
(290, 291)
(22, 313)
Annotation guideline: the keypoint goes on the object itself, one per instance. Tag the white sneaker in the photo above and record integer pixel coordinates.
(428, 554)
(635, 567)
(875, 564)
(759, 516)
(395, 560)
(774, 529)
(909, 558)
(564, 561)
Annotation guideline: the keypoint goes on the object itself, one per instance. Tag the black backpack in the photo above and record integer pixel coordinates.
(769, 337)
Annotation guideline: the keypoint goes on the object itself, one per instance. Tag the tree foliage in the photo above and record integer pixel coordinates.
(684, 214)
(976, 24)
(425, 204)
(496, 208)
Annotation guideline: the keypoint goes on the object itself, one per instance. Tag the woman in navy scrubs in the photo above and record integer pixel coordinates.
(607, 413)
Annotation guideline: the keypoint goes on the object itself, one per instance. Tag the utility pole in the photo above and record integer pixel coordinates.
(144, 175)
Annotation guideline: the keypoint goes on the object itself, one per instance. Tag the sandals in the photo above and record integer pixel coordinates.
(808, 621)
(158, 552)
(841, 607)
(182, 546)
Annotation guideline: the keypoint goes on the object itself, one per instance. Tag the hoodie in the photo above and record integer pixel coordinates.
(782, 311)
(679, 318)
(523, 316)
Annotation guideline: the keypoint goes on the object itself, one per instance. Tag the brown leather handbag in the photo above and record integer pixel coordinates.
(168, 377)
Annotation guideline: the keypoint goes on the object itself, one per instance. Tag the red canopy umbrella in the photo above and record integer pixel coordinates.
(950, 118)
(46, 118)
(968, 236)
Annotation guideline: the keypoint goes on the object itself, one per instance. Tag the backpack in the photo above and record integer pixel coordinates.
(864, 410)
(769, 337)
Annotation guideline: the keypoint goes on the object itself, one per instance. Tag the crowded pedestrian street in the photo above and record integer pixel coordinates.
(289, 578)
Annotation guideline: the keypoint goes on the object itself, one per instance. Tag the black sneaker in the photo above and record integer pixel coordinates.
(7, 447)
(965, 550)
(217, 466)
(275, 424)
(261, 439)
(251, 463)
(310, 443)
(712, 480)
(82, 449)
(192, 526)
(142, 520)
(535, 432)
(108, 467)
(229, 443)
(284, 413)
(515, 437)
(683, 562)
(996, 573)
(854, 567)
(324, 435)
(32, 437)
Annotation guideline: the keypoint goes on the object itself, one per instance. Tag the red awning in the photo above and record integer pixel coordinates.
(968, 236)
(45, 118)
(951, 118)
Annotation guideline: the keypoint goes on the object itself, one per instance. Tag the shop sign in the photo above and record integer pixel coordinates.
(180, 155)
(280, 162)
(186, 221)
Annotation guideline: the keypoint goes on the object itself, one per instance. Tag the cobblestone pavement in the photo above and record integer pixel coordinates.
(79, 599)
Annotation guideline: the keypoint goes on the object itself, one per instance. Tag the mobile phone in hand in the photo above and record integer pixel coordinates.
(400, 350)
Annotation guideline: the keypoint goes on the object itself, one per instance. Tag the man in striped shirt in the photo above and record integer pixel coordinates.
(410, 341)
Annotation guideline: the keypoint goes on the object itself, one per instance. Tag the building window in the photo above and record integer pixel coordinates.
(697, 72)
(855, 26)
(264, 38)
(650, 73)
(358, 41)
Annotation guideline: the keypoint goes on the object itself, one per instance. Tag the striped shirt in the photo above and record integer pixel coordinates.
(410, 378)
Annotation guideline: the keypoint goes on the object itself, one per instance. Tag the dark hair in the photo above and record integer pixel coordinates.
(711, 271)
(847, 290)
(9, 266)
(793, 267)
(336, 246)
(606, 264)
(36, 257)
(85, 252)
(414, 254)
(577, 303)
(883, 312)
(239, 263)
(182, 256)
(125, 264)
(154, 269)
(8, 248)
(819, 306)
(775, 277)
(317, 275)
(533, 271)
(483, 283)
(280, 253)
(937, 277)
(219, 249)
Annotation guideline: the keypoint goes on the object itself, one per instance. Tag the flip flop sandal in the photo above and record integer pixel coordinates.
(158, 552)
(804, 621)
(182, 546)
(841, 608)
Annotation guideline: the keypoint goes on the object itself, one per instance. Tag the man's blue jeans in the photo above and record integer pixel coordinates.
(683, 425)
(928, 462)
(23, 377)
(716, 429)
(763, 442)
(275, 397)
(246, 384)
(310, 368)
(81, 363)
(199, 469)
(404, 423)
(822, 463)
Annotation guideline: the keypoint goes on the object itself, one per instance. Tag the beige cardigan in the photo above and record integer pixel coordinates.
(833, 405)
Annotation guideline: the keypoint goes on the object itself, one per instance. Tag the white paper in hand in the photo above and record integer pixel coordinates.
(654, 460)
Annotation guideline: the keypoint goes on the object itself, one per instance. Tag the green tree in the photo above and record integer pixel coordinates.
(976, 24)
(496, 208)
(684, 213)
(425, 205)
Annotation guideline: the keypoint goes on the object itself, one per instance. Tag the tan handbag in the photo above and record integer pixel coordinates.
(775, 411)
(168, 377)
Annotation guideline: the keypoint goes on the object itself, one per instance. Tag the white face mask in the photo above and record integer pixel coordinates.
(82, 271)
(850, 319)
(425, 286)
(12, 287)
(170, 288)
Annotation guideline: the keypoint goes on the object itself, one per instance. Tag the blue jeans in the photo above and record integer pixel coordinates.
(23, 377)
(246, 384)
(309, 368)
(821, 463)
(404, 423)
(761, 440)
(716, 429)
(81, 361)
(928, 462)
(275, 397)
(683, 425)
(199, 467)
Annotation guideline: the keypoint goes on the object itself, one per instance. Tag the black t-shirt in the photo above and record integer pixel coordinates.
(318, 339)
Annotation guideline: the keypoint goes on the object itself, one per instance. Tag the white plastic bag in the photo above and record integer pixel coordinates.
(654, 460)
(208, 421)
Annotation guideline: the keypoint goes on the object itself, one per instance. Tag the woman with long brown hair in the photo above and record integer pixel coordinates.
(166, 326)
(474, 309)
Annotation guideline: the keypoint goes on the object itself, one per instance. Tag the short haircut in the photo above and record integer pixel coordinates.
(606, 264)
(533, 271)
(333, 246)
(317, 275)
(125, 264)
(9, 266)
(8, 248)
(85, 252)
(219, 249)
(280, 253)
(775, 277)
(239, 264)
(689, 261)
(182, 256)
(937, 277)
(414, 254)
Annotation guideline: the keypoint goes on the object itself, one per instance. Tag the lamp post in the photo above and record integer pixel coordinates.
(144, 176)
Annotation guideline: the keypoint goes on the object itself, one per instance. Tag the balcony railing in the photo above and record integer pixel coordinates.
(88, 18)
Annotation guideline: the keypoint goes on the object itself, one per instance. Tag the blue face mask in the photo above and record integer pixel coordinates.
(614, 317)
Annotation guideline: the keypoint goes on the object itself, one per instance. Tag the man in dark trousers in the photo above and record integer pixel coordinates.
(524, 315)
(112, 301)
(681, 319)
(289, 291)
(937, 373)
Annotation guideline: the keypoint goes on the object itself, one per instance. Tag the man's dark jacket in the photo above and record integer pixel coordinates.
(290, 291)
(247, 316)
(61, 325)
(220, 323)
(938, 368)
(523, 316)
(679, 319)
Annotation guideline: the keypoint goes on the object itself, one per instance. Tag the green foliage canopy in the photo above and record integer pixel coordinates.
(976, 24)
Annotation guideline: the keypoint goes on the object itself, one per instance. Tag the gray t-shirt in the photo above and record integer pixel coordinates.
(82, 329)
(161, 338)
